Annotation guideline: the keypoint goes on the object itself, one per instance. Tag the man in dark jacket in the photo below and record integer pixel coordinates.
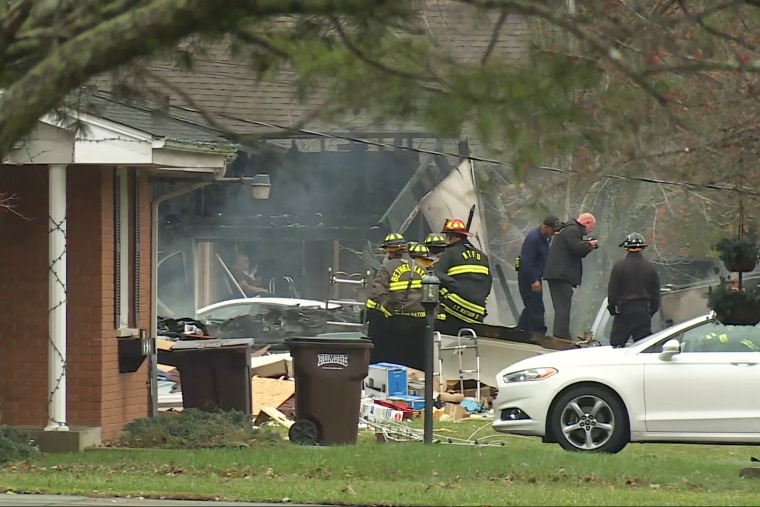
(633, 293)
(564, 268)
(530, 275)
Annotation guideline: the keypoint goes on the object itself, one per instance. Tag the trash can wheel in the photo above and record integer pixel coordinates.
(304, 432)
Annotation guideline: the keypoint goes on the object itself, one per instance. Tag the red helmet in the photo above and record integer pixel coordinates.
(456, 226)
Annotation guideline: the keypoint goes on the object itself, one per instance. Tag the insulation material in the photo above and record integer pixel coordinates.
(453, 198)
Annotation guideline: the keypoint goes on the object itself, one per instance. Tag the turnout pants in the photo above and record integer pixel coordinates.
(376, 331)
(398, 339)
(532, 316)
(562, 298)
(633, 321)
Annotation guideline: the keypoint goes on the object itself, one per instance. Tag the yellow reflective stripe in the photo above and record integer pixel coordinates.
(723, 338)
(749, 344)
(385, 311)
(396, 286)
(468, 268)
(371, 303)
(466, 304)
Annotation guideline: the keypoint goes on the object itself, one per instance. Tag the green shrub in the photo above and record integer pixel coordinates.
(194, 429)
(734, 306)
(15, 445)
(737, 251)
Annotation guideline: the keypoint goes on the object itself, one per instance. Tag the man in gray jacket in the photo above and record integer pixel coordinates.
(564, 268)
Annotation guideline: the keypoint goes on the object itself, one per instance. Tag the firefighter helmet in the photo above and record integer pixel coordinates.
(419, 250)
(634, 240)
(435, 239)
(455, 226)
(393, 240)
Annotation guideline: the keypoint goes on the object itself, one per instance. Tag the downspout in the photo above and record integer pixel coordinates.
(153, 359)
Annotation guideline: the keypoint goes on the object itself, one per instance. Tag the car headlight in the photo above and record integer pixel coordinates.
(529, 375)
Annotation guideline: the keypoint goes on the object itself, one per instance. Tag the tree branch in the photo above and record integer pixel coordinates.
(139, 32)
(369, 61)
(606, 52)
(8, 204)
(494, 37)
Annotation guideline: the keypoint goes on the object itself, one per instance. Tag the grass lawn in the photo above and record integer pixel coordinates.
(524, 472)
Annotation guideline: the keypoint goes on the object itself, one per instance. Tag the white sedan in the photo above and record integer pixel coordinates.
(695, 382)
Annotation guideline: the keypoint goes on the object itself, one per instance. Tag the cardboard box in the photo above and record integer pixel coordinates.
(377, 413)
(485, 394)
(271, 366)
(386, 379)
(455, 411)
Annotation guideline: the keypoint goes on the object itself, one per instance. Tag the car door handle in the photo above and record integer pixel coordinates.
(743, 363)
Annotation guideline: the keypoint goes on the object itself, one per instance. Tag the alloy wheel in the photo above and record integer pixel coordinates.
(587, 422)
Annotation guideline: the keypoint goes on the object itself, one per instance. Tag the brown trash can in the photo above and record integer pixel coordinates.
(328, 370)
(215, 374)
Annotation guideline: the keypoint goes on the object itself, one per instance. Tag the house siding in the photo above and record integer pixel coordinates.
(98, 395)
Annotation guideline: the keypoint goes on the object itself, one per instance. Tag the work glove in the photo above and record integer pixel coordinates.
(612, 309)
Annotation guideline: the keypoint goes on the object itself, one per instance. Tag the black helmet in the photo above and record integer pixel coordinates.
(393, 240)
(435, 239)
(419, 250)
(634, 240)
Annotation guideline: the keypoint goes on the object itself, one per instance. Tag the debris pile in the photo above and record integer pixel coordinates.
(269, 324)
(396, 393)
(392, 393)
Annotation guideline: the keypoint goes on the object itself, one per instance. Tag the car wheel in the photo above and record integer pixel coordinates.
(590, 419)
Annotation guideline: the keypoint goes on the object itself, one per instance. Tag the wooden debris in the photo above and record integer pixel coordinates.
(162, 344)
(260, 352)
(266, 392)
(275, 415)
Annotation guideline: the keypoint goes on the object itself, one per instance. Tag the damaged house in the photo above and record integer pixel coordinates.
(333, 190)
(145, 213)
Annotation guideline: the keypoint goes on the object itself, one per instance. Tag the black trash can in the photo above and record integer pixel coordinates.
(328, 370)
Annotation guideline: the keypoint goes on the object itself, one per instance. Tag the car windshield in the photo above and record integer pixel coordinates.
(713, 336)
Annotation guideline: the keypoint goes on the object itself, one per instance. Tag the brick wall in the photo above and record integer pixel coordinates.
(125, 396)
(98, 395)
(23, 285)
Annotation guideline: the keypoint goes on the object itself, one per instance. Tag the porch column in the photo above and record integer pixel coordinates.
(57, 299)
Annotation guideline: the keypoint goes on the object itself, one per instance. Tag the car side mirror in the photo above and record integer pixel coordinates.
(669, 349)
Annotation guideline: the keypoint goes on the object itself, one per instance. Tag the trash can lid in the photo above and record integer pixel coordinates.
(341, 337)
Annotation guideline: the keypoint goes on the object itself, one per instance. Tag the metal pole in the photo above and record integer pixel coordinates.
(429, 330)
(153, 358)
(57, 299)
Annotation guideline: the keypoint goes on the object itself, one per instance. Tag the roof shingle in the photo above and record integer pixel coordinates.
(227, 87)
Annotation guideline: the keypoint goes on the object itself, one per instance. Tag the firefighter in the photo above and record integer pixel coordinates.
(633, 293)
(436, 243)
(395, 247)
(726, 342)
(465, 277)
(406, 325)
(405, 287)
